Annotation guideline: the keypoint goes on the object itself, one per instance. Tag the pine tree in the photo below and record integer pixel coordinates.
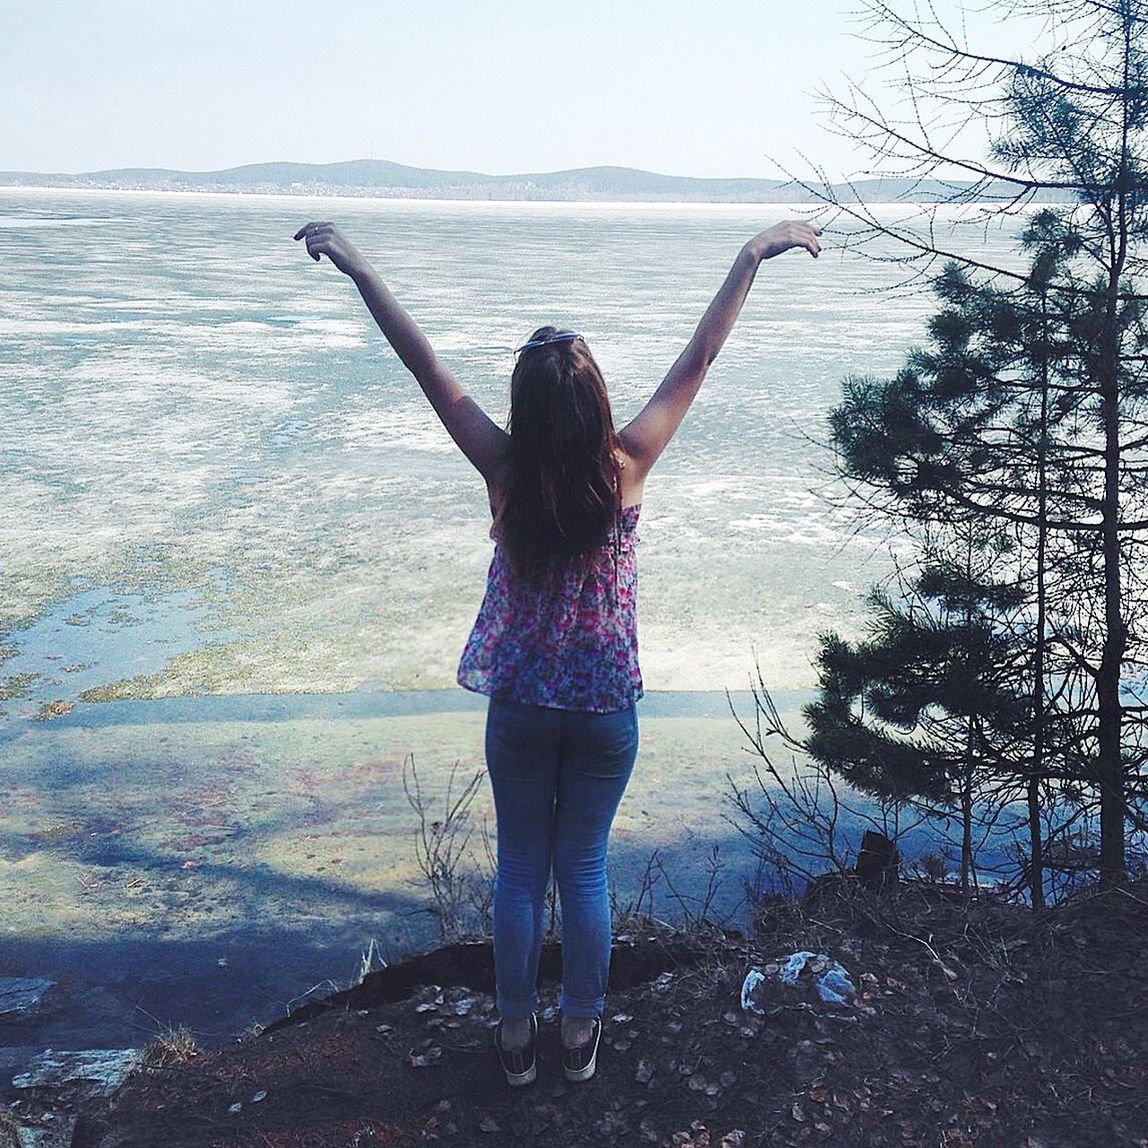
(1026, 411)
(927, 708)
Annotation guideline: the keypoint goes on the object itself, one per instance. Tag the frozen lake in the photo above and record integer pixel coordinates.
(219, 479)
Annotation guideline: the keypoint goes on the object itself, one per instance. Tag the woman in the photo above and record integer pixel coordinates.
(555, 644)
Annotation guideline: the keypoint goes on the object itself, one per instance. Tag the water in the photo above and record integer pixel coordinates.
(219, 484)
(195, 415)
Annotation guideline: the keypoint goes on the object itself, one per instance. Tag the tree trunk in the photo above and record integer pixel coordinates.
(1109, 762)
(1039, 714)
(1035, 847)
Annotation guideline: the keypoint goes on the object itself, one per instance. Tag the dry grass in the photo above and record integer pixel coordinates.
(170, 1049)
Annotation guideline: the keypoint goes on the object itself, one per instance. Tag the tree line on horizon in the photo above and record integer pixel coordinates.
(385, 179)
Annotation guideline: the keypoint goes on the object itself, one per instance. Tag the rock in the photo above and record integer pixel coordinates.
(878, 861)
(93, 1071)
(21, 996)
(53, 1130)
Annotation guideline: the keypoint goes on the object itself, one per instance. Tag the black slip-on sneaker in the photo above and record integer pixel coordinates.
(519, 1064)
(580, 1063)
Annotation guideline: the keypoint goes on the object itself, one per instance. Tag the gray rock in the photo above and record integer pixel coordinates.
(20, 996)
(92, 1071)
(53, 1130)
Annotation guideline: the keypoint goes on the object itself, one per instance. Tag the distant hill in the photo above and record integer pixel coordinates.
(376, 178)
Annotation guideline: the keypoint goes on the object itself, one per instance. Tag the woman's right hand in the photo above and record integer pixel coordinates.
(327, 239)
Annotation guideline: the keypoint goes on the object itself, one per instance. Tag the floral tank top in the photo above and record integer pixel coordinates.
(568, 641)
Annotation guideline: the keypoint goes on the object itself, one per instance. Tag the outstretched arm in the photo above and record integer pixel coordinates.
(478, 436)
(648, 434)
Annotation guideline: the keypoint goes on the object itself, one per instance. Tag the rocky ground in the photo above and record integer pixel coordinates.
(973, 1024)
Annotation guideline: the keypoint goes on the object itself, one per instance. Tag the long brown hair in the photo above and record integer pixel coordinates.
(561, 490)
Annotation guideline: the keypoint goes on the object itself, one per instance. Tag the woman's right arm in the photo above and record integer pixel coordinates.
(476, 434)
(649, 433)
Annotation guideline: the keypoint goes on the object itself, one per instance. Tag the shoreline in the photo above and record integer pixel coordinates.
(424, 201)
(361, 704)
(414, 201)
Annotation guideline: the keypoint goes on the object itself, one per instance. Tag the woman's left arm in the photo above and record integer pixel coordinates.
(476, 434)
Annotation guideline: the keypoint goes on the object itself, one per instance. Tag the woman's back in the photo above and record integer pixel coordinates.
(563, 635)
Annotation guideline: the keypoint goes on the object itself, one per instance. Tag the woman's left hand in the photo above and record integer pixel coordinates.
(327, 239)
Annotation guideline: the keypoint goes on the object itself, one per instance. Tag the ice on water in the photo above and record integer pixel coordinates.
(193, 411)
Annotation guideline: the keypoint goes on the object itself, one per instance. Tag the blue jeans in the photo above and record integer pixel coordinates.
(557, 778)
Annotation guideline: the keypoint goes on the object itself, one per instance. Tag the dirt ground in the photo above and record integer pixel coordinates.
(974, 1024)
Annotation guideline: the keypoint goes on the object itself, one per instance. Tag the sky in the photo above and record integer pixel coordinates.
(717, 88)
